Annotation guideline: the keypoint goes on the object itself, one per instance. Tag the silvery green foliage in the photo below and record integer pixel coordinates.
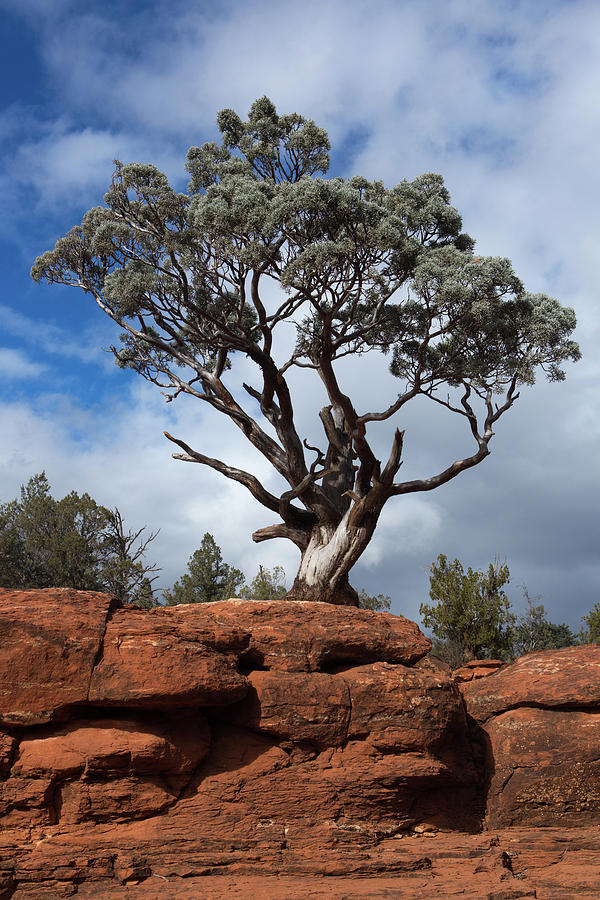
(361, 268)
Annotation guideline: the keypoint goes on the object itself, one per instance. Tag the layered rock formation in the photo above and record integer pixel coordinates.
(272, 739)
(540, 718)
(477, 668)
(218, 734)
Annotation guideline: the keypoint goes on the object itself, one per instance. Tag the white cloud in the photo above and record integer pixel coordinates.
(15, 366)
(118, 454)
(66, 162)
(406, 529)
(50, 338)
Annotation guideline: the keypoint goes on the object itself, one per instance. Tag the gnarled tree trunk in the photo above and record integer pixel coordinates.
(327, 560)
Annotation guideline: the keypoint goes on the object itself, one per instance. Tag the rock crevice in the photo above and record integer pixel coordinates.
(113, 606)
(284, 738)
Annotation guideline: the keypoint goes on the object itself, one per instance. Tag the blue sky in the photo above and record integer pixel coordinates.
(500, 97)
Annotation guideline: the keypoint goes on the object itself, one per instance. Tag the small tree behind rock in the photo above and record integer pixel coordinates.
(534, 632)
(267, 584)
(73, 542)
(208, 578)
(590, 633)
(143, 595)
(471, 614)
(376, 602)
(125, 574)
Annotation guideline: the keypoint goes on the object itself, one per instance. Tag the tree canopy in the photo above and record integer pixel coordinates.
(73, 542)
(360, 268)
(471, 611)
(208, 578)
(472, 616)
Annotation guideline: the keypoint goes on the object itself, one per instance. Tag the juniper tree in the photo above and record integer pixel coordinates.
(51, 543)
(374, 602)
(73, 542)
(533, 631)
(267, 584)
(590, 631)
(361, 268)
(208, 577)
(471, 612)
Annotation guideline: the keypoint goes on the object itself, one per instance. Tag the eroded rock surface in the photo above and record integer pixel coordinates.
(550, 678)
(477, 668)
(170, 748)
(50, 641)
(166, 658)
(546, 767)
(540, 721)
(225, 734)
(309, 637)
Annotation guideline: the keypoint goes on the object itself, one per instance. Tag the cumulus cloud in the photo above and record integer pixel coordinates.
(62, 162)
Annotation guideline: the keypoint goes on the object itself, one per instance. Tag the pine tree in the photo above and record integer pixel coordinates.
(471, 611)
(267, 584)
(208, 578)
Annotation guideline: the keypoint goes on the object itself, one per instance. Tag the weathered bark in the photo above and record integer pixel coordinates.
(343, 594)
(327, 560)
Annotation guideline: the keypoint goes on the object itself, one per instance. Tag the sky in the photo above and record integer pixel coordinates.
(499, 97)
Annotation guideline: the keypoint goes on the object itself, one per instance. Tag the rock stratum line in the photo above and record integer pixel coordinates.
(247, 748)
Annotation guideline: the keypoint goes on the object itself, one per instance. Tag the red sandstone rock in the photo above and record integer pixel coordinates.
(433, 664)
(26, 802)
(550, 678)
(302, 636)
(121, 799)
(546, 768)
(550, 864)
(250, 782)
(49, 641)
(107, 769)
(7, 748)
(350, 756)
(107, 746)
(167, 658)
(397, 708)
(542, 727)
(297, 706)
(477, 668)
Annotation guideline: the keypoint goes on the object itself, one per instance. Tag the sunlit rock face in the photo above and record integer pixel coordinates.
(257, 738)
(541, 720)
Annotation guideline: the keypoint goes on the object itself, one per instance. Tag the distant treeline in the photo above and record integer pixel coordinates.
(78, 543)
(75, 542)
